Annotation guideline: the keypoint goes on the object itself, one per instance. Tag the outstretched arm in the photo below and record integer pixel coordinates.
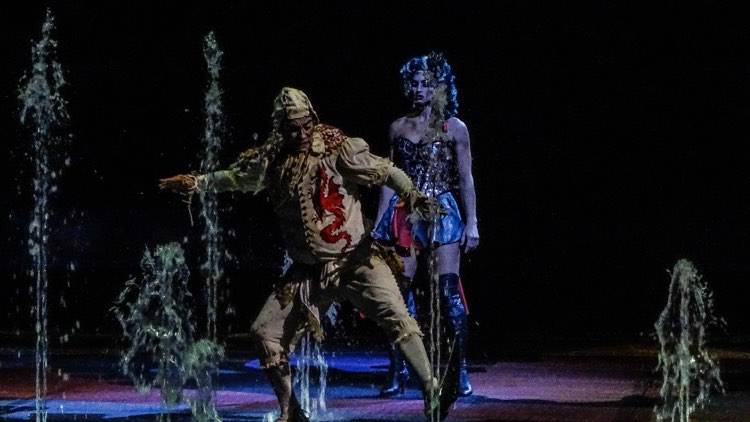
(247, 175)
(470, 237)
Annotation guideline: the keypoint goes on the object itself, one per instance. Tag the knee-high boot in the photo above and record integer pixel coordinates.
(456, 316)
(398, 374)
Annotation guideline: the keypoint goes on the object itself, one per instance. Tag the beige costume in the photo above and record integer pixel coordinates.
(316, 200)
(314, 192)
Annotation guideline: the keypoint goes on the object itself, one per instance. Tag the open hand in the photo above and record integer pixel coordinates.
(181, 183)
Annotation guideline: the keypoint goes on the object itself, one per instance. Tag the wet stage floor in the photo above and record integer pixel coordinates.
(604, 384)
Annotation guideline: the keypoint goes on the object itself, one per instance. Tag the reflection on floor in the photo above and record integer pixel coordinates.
(617, 384)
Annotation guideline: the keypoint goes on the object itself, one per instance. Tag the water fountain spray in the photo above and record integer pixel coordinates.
(309, 356)
(212, 235)
(435, 310)
(43, 110)
(689, 373)
(156, 321)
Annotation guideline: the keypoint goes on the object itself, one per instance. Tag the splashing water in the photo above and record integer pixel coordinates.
(309, 356)
(271, 416)
(436, 341)
(199, 362)
(689, 373)
(43, 111)
(212, 266)
(156, 320)
(436, 317)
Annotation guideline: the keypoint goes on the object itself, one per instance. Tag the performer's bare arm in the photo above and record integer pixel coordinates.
(386, 193)
(470, 237)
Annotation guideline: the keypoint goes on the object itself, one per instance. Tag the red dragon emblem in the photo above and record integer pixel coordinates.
(332, 201)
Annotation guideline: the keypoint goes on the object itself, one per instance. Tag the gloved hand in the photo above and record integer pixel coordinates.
(181, 183)
(423, 207)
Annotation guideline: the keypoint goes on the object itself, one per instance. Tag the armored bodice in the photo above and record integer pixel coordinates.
(431, 166)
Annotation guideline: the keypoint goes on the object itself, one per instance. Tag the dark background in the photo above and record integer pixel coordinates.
(607, 141)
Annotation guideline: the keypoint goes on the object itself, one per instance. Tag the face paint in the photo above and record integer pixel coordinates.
(299, 131)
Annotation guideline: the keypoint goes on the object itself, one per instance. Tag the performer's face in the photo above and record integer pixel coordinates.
(299, 130)
(422, 89)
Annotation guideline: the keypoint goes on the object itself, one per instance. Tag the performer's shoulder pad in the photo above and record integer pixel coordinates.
(331, 137)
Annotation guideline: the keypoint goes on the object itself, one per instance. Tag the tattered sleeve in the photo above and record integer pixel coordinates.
(357, 164)
(245, 175)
